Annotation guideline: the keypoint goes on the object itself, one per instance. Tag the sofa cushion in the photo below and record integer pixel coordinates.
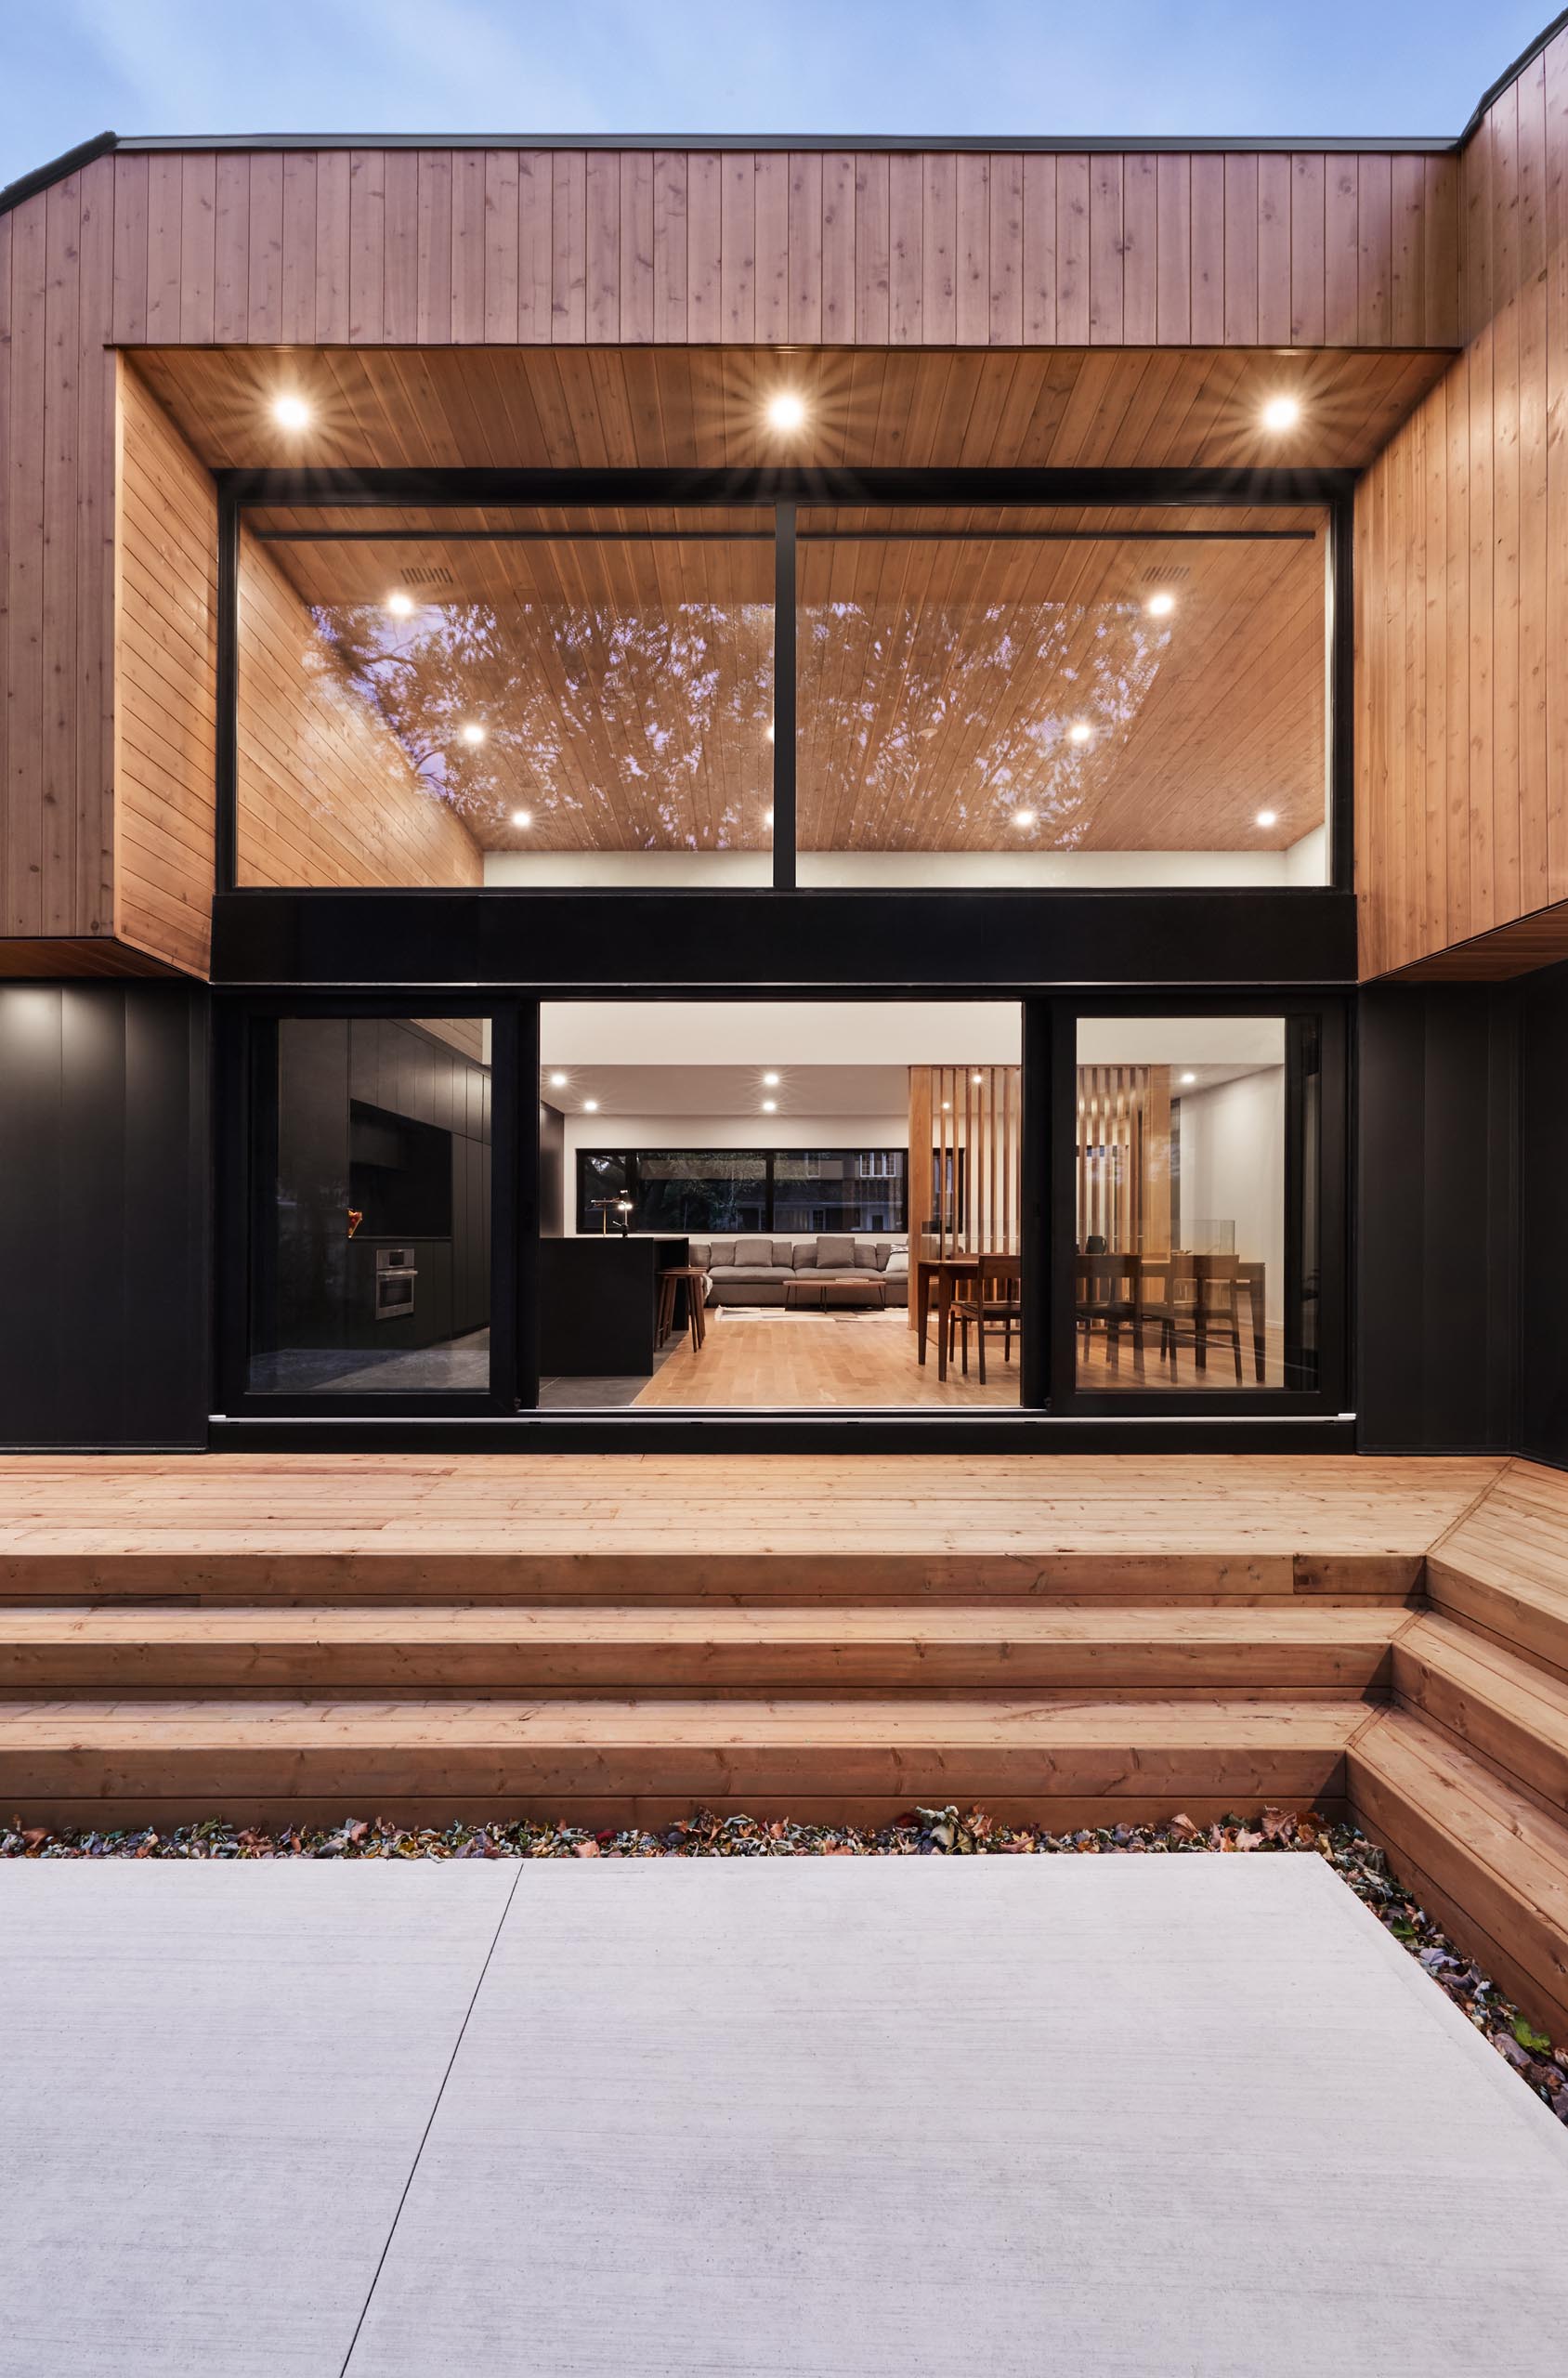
(720, 1252)
(784, 1253)
(753, 1250)
(835, 1251)
(753, 1272)
(871, 1254)
(700, 1252)
(804, 1256)
(898, 1263)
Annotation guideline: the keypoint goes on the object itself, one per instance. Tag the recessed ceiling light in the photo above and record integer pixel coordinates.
(1267, 817)
(291, 412)
(1159, 606)
(768, 730)
(770, 1081)
(590, 1106)
(974, 1077)
(1282, 413)
(767, 817)
(1189, 1078)
(770, 1106)
(522, 817)
(1081, 731)
(947, 1106)
(473, 733)
(1025, 818)
(401, 604)
(557, 1081)
(786, 411)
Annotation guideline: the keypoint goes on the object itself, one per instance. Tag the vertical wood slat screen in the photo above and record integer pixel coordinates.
(964, 1155)
(1124, 1157)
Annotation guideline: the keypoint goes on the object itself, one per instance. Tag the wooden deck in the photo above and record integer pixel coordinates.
(1231, 1525)
(609, 1639)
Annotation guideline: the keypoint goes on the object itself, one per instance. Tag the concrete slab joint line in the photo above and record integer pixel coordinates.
(900, 2118)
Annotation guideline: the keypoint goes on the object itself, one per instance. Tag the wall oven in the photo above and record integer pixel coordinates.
(394, 1275)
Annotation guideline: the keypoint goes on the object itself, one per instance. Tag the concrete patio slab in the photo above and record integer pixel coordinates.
(214, 2084)
(1119, 2114)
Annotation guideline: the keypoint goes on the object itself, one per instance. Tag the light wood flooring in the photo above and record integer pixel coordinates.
(807, 1362)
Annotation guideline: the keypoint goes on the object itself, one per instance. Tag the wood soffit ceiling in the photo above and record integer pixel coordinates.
(648, 408)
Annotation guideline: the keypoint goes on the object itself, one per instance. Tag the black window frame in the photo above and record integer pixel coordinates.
(783, 491)
(769, 1157)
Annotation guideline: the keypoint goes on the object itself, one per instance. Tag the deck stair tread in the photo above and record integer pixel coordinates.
(1507, 1709)
(1490, 1861)
(1504, 1565)
(1120, 1647)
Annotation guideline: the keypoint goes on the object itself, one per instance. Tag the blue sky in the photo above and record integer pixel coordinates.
(71, 67)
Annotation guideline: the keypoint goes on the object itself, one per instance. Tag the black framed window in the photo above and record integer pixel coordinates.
(374, 1192)
(923, 680)
(789, 1190)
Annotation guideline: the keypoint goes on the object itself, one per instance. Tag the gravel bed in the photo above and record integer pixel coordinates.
(926, 1833)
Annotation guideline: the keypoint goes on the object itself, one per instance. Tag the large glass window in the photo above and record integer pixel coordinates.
(733, 1189)
(456, 695)
(370, 1253)
(1196, 1254)
(1064, 697)
(504, 695)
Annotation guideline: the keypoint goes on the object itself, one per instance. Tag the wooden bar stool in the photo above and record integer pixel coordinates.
(695, 1281)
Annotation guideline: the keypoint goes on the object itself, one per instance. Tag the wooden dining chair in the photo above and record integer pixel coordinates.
(1202, 1304)
(1103, 1298)
(996, 1297)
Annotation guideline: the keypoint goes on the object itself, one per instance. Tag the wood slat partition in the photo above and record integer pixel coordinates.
(1124, 1157)
(1462, 590)
(965, 1125)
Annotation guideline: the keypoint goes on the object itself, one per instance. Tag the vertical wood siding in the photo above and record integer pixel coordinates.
(1462, 576)
(517, 247)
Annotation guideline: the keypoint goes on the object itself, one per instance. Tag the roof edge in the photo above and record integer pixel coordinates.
(103, 144)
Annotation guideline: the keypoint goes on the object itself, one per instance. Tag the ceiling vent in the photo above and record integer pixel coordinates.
(436, 576)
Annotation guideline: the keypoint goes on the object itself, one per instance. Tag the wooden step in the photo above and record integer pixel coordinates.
(1504, 1566)
(1506, 1710)
(113, 1648)
(1483, 1857)
(618, 1759)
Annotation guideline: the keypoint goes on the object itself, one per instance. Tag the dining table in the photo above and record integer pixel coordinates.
(937, 1277)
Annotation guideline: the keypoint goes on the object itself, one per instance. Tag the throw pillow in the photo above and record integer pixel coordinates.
(756, 1252)
(898, 1260)
(867, 1255)
(721, 1255)
(804, 1256)
(835, 1253)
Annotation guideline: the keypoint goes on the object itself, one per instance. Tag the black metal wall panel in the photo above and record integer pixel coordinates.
(1542, 1332)
(1437, 1219)
(104, 1198)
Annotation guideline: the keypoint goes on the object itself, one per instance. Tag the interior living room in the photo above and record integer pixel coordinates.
(780, 1204)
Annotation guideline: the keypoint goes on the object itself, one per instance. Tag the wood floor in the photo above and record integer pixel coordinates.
(610, 1639)
(808, 1362)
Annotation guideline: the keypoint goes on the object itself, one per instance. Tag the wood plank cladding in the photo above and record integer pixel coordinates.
(1462, 589)
(328, 796)
(165, 712)
(850, 247)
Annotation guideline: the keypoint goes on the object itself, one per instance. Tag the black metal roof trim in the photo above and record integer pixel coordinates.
(1510, 74)
(41, 177)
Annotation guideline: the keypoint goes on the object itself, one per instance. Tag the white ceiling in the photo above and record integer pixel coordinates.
(730, 1091)
(760, 1035)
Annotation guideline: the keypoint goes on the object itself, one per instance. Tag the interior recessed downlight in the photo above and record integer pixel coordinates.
(473, 733)
(1160, 605)
(291, 412)
(522, 817)
(1267, 817)
(770, 1081)
(1188, 1079)
(1282, 413)
(786, 411)
(590, 1106)
(401, 604)
(770, 1106)
(977, 1077)
(557, 1081)
(1023, 817)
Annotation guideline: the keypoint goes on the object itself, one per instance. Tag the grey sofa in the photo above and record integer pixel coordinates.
(752, 1270)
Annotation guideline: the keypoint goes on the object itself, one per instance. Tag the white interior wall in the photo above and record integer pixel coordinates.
(1302, 863)
(1232, 1169)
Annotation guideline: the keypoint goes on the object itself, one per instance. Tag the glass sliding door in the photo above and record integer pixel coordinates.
(369, 1269)
(1198, 1198)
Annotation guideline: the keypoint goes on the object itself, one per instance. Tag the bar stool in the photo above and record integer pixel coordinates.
(695, 1281)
